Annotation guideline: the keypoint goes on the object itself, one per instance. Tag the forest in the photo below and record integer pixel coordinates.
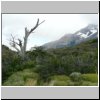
(67, 66)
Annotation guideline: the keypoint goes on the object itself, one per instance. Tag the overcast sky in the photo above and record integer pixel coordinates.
(54, 27)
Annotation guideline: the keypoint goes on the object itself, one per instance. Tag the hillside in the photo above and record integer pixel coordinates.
(72, 66)
(68, 40)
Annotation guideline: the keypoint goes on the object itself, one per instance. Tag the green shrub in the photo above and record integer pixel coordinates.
(82, 58)
(9, 66)
(90, 77)
(15, 83)
(60, 80)
(21, 78)
(30, 82)
(14, 80)
(75, 76)
(60, 77)
(28, 64)
(60, 83)
(28, 73)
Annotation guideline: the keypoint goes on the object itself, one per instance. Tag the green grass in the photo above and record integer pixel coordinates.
(60, 80)
(22, 78)
(29, 78)
(15, 80)
(88, 83)
(60, 77)
(30, 82)
(90, 77)
(63, 80)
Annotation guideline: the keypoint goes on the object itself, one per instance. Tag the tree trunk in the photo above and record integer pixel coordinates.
(23, 45)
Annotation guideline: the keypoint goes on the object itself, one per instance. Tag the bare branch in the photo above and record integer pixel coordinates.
(42, 22)
(20, 42)
(13, 43)
(13, 40)
(14, 46)
(23, 44)
(17, 49)
(37, 24)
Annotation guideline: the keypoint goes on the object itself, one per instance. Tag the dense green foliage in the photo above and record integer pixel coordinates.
(82, 58)
(12, 62)
(72, 66)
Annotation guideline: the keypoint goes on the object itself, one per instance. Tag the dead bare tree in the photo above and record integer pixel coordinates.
(22, 45)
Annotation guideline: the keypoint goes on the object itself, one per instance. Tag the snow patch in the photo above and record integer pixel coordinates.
(82, 35)
(93, 31)
(87, 33)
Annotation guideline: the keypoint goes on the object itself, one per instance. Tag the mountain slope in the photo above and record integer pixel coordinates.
(89, 32)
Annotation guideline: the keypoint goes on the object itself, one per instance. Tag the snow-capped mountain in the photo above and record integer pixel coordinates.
(89, 32)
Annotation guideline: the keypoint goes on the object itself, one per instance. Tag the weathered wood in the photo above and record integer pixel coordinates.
(23, 45)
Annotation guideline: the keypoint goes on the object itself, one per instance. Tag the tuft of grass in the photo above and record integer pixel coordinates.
(90, 77)
(60, 80)
(88, 83)
(60, 83)
(60, 77)
(28, 73)
(30, 82)
(15, 80)
(22, 78)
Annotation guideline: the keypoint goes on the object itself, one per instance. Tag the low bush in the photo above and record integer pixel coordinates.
(60, 80)
(28, 73)
(28, 64)
(60, 77)
(21, 78)
(75, 76)
(30, 82)
(14, 80)
(60, 83)
(90, 77)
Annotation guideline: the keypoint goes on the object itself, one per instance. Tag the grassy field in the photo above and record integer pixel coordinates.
(29, 78)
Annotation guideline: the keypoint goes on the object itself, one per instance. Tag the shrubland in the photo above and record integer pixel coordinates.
(67, 66)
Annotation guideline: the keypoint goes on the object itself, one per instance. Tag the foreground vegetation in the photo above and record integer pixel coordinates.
(29, 78)
(72, 66)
